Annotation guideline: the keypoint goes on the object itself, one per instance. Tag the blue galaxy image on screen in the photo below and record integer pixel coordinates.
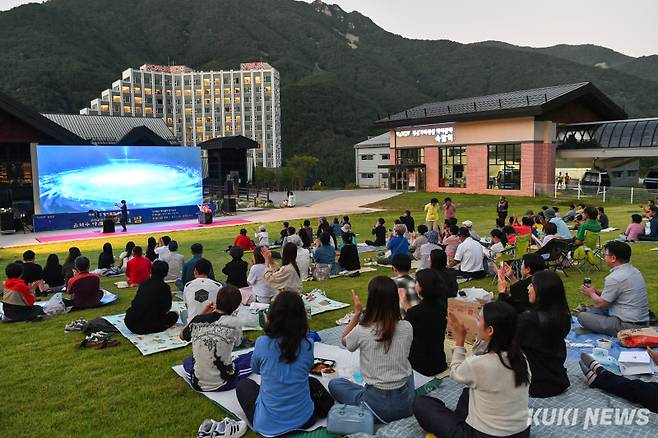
(76, 179)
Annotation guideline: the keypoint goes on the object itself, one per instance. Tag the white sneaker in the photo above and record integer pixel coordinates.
(228, 428)
(345, 319)
(206, 428)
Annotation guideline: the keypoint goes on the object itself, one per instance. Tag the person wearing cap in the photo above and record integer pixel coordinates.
(236, 269)
(427, 248)
(432, 214)
(469, 256)
(262, 236)
(562, 227)
(347, 235)
(174, 260)
(469, 225)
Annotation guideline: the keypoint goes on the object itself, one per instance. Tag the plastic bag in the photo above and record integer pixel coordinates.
(55, 305)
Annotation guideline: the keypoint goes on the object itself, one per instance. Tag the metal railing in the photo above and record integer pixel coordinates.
(600, 194)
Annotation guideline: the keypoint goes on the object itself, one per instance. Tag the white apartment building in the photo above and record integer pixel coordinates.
(369, 155)
(201, 105)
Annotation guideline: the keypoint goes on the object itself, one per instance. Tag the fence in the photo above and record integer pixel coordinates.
(602, 194)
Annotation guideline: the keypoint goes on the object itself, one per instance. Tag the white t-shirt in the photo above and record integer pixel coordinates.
(303, 262)
(162, 251)
(469, 254)
(425, 251)
(547, 238)
(197, 293)
(257, 282)
(263, 238)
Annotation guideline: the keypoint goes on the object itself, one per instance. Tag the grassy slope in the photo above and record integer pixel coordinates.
(118, 392)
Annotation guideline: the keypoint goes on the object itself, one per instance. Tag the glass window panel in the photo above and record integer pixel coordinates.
(504, 167)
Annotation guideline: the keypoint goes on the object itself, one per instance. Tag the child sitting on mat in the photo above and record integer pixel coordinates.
(214, 332)
(236, 269)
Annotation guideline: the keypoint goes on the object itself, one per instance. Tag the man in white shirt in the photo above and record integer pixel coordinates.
(163, 248)
(469, 256)
(175, 262)
(200, 290)
(262, 237)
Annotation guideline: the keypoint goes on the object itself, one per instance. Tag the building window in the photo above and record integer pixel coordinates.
(452, 170)
(386, 156)
(505, 166)
(367, 175)
(410, 156)
(368, 157)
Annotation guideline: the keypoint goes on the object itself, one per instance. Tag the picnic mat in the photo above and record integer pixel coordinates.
(363, 270)
(362, 247)
(155, 342)
(108, 298)
(344, 359)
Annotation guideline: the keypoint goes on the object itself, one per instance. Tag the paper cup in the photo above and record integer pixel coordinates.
(604, 343)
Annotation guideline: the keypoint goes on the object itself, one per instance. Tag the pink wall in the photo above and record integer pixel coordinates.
(431, 169)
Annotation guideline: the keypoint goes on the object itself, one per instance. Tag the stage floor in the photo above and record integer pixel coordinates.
(310, 204)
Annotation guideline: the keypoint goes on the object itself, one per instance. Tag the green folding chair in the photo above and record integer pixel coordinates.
(590, 253)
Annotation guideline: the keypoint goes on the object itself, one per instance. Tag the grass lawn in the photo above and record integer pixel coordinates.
(117, 392)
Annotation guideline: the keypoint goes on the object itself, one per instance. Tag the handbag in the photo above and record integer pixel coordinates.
(349, 419)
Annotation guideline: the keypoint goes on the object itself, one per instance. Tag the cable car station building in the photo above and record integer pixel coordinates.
(497, 144)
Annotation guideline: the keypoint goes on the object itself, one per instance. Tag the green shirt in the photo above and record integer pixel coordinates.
(590, 225)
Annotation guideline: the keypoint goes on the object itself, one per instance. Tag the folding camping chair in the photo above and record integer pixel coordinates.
(590, 253)
(515, 254)
(556, 255)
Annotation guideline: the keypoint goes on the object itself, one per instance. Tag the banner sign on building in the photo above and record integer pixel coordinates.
(444, 134)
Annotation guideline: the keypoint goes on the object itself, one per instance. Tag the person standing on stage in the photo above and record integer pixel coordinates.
(123, 219)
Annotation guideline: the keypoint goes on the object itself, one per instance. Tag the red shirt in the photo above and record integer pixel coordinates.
(19, 286)
(86, 290)
(138, 270)
(243, 242)
(522, 230)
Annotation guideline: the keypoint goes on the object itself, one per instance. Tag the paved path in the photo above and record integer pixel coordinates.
(310, 204)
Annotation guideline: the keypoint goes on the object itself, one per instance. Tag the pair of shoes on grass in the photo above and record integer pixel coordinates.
(226, 428)
(99, 341)
(76, 325)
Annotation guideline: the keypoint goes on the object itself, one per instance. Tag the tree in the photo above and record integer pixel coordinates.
(300, 167)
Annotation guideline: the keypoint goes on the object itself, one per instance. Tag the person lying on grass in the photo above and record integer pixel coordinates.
(213, 333)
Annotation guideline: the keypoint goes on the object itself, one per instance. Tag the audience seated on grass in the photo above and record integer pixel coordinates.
(379, 231)
(623, 303)
(497, 247)
(397, 244)
(428, 319)
(84, 289)
(151, 245)
(439, 263)
(287, 277)
(262, 236)
(305, 234)
(469, 225)
(287, 399)
(384, 342)
(162, 250)
(550, 233)
(349, 255)
(588, 223)
(243, 241)
(201, 290)
(337, 228)
(510, 234)
(515, 291)
(125, 256)
(33, 272)
(139, 267)
(346, 231)
(325, 227)
(188, 267)
(451, 240)
(541, 333)
(522, 227)
(562, 228)
(633, 390)
(53, 275)
(325, 254)
(175, 261)
(404, 281)
(652, 235)
(635, 229)
(303, 260)
(469, 257)
(236, 269)
(106, 257)
(17, 299)
(256, 278)
(495, 401)
(293, 238)
(603, 218)
(427, 248)
(419, 241)
(69, 263)
(150, 310)
(214, 332)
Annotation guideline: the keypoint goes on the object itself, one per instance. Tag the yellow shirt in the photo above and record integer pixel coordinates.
(432, 212)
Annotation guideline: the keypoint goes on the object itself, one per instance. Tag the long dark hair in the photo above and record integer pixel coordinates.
(438, 259)
(289, 256)
(74, 253)
(151, 243)
(258, 256)
(431, 284)
(287, 322)
(551, 304)
(53, 261)
(107, 248)
(502, 317)
(129, 248)
(383, 309)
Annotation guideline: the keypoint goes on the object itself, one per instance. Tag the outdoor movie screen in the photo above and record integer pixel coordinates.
(76, 179)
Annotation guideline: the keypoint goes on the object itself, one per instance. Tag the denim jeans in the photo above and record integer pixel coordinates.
(387, 405)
